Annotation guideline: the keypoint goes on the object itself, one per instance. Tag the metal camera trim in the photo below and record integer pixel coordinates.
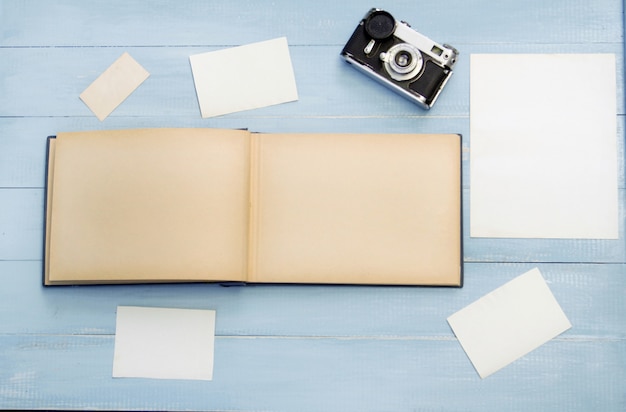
(448, 54)
(372, 74)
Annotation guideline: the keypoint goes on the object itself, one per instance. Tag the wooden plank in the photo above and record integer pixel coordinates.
(63, 73)
(21, 219)
(28, 23)
(169, 91)
(23, 142)
(590, 294)
(22, 147)
(286, 374)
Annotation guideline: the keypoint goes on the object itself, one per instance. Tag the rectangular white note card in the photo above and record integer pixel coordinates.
(113, 86)
(509, 322)
(245, 77)
(164, 343)
(543, 156)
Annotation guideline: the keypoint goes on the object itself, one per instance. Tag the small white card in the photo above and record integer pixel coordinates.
(244, 77)
(163, 343)
(113, 86)
(509, 322)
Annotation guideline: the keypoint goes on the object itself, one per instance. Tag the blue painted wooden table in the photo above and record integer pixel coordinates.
(284, 347)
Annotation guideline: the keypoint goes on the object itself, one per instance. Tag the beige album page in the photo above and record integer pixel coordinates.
(148, 205)
(356, 208)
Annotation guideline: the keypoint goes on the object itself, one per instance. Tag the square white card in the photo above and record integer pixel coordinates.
(163, 343)
(245, 77)
(509, 322)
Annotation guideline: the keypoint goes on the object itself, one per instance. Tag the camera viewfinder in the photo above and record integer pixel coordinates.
(436, 50)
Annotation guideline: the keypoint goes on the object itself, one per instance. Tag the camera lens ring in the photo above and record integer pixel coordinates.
(380, 25)
(402, 61)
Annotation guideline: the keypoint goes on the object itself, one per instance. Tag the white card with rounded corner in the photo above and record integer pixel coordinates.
(509, 322)
(164, 343)
(244, 77)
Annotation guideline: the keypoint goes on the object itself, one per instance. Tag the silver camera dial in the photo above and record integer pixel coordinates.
(402, 61)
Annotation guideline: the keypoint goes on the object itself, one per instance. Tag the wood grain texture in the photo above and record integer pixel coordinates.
(590, 295)
(287, 347)
(330, 374)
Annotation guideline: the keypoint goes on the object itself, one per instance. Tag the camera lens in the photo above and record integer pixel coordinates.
(380, 24)
(402, 61)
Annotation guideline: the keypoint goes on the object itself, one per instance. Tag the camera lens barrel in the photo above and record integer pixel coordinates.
(402, 61)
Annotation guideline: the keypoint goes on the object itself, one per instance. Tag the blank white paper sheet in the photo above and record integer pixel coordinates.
(543, 157)
(245, 77)
(509, 322)
(113, 86)
(164, 343)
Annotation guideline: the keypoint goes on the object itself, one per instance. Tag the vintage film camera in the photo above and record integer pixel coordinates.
(400, 58)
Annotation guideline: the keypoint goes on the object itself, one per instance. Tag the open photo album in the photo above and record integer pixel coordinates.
(212, 205)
